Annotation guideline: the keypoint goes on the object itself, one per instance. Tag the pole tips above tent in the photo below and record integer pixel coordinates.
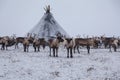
(47, 9)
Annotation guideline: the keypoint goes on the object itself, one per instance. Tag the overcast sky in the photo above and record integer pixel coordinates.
(84, 17)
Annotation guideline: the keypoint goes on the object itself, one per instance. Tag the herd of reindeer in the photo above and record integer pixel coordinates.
(70, 44)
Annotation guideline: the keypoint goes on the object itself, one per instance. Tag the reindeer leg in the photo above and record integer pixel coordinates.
(67, 52)
(43, 47)
(88, 50)
(24, 49)
(50, 51)
(71, 55)
(16, 45)
(53, 52)
(78, 49)
(3, 46)
(38, 48)
(27, 48)
(35, 48)
(57, 52)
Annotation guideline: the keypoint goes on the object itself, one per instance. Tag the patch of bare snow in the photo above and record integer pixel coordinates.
(100, 64)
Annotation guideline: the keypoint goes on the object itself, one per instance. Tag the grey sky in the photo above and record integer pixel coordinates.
(89, 17)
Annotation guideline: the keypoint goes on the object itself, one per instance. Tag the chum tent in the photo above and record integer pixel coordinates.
(48, 27)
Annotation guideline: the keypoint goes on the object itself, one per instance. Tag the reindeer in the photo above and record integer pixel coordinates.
(106, 41)
(36, 44)
(10, 42)
(83, 42)
(54, 44)
(69, 44)
(118, 43)
(26, 44)
(2, 42)
(18, 40)
(42, 42)
(39, 42)
(97, 42)
(110, 42)
(7, 42)
(113, 43)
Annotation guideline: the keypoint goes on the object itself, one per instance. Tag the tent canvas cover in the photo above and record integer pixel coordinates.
(48, 27)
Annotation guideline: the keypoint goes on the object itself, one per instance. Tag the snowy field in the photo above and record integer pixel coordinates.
(99, 65)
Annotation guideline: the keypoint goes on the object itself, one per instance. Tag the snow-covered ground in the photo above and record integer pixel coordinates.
(99, 65)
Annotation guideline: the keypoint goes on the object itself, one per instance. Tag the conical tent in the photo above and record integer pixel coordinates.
(48, 27)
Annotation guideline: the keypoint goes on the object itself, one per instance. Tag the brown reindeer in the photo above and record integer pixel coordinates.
(83, 42)
(10, 42)
(97, 42)
(54, 44)
(110, 42)
(42, 42)
(106, 41)
(2, 42)
(6, 42)
(19, 40)
(39, 42)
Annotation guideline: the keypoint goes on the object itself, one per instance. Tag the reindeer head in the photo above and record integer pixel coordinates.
(68, 40)
(60, 39)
